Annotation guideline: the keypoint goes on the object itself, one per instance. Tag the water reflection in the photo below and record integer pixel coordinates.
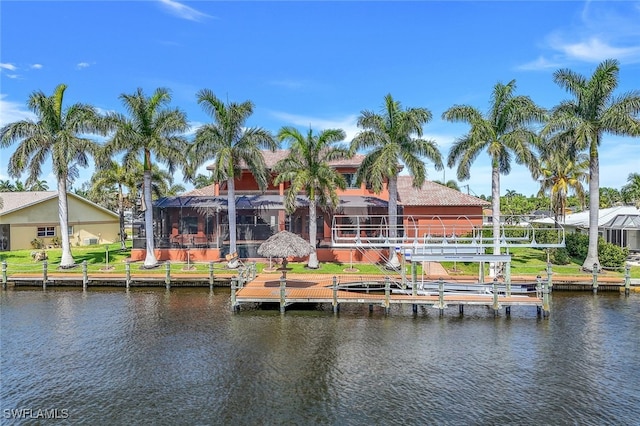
(151, 356)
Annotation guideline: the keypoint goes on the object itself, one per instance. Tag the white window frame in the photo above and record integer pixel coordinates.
(46, 231)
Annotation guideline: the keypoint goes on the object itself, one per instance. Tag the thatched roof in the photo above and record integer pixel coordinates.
(285, 244)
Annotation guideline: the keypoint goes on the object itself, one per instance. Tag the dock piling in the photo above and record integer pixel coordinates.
(211, 275)
(496, 305)
(414, 282)
(127, 269)
(283, 301)
(234, 304)
(627, 280)
(85, 278)
(387, 294)
(441, 304)
(167, 277)
(507, 278)
(549, 275)
(44, 274)
(4, 274)
(545, 300)
(335, 294)
(595, 278)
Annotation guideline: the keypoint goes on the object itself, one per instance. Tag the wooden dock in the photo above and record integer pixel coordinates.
(372, 291)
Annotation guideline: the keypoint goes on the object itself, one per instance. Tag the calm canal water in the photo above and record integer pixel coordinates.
(151, 356)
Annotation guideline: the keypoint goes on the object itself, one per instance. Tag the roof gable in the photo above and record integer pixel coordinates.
(14, 201)
(433, 194)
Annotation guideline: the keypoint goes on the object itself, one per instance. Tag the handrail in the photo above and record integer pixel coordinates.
(435, 231)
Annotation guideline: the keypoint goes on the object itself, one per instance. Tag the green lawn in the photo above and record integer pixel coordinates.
(525, 261)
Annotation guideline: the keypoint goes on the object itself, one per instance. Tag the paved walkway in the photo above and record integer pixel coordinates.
(435, 269)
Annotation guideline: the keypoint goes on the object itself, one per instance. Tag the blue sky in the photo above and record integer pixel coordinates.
(320, 64)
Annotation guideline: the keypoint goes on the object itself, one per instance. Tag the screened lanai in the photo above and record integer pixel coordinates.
(202, 222)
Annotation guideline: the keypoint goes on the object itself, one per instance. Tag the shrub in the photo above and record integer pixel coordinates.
(37, 243)
(55, 241)
(610, 255)
(577, 245)
(560, 256)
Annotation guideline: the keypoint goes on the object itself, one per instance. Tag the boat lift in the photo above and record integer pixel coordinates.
(441, 238)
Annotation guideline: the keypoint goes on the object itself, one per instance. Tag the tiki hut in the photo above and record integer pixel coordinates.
(285, 244)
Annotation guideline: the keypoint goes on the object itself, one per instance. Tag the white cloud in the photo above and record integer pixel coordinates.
(193, 128)
(8, 66)
(348, 123)
(182, 11)
(541, 63)
(602, 30)
(83, 65)
(596, 50)
(13, 111)
(36, 66)
(13, 76)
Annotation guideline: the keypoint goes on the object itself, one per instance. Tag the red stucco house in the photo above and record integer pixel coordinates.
(195, 224)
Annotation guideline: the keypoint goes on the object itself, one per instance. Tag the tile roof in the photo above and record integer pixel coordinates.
(206, 191)
(433, 194)
(271, 158)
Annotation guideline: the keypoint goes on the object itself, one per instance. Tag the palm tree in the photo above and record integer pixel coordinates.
(609, 197)
(307, 168)
(449, 184)
(394, 135)
(113, 175)
(39, 185)
(228, 143)
(7, 186)
(152, 131)
(201, 181)
(503, 132)
(20, 187)
(58, 133)
(562, 175)
(583, 120)
(631, 191)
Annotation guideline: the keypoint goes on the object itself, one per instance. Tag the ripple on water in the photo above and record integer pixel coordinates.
(156, 357)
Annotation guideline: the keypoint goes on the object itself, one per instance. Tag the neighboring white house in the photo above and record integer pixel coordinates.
(26, 216)
(617, 225)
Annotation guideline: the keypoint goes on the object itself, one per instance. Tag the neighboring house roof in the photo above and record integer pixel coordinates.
(606, 217)
(13, 201)
(433, 194)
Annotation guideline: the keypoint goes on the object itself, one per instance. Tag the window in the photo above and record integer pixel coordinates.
(46, 231)
(189, 225)
(350, 178)
(320, 226)
(69, 230)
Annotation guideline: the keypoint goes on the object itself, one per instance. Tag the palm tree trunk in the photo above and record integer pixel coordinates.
(66, 260)
(150, 258)
(594, 208)
(495, 207)
(121, 213)
(313, 257)
(231, 209)
(393, 222)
